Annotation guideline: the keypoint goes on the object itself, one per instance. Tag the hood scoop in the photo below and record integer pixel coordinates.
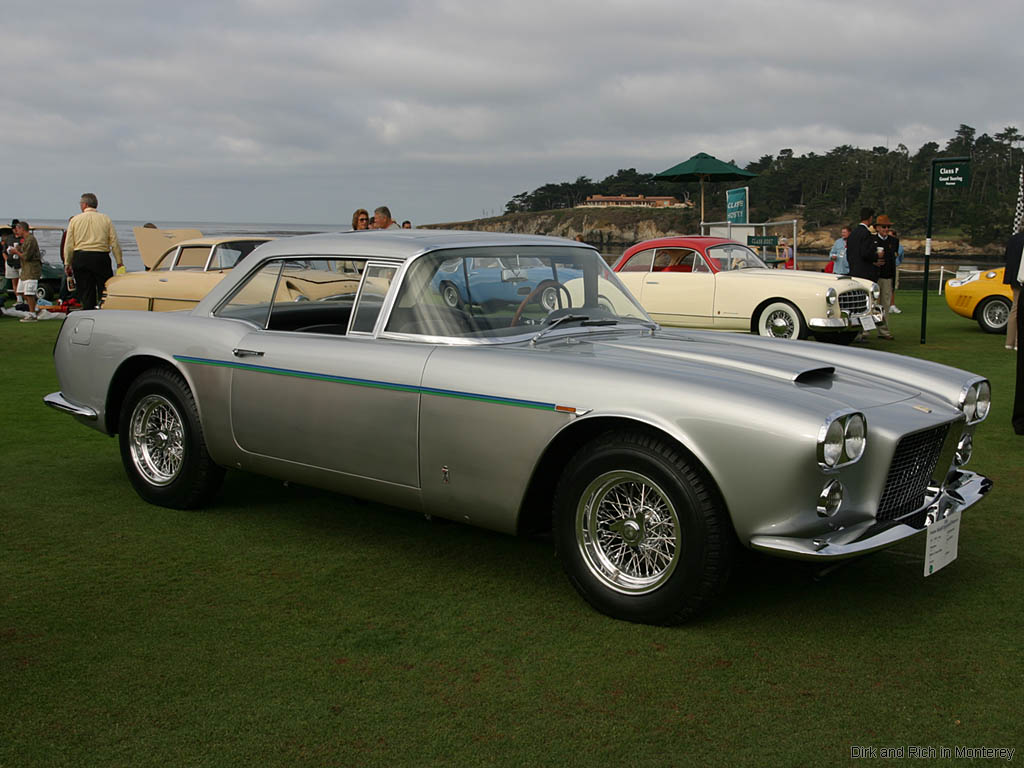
(821, 375)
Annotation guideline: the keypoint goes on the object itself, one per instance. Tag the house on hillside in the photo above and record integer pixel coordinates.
(634, 201)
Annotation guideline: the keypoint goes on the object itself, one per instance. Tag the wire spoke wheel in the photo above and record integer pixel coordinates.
(628, 532)
(157, 439)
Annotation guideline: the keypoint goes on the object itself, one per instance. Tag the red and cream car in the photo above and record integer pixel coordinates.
(712, 282)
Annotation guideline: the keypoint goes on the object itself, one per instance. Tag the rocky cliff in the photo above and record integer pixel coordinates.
(622, 227)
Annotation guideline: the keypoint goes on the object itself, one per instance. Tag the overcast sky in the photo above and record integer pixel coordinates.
(299, 111)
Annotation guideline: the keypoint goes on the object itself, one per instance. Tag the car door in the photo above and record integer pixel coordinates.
(680, 288)
(324, 394)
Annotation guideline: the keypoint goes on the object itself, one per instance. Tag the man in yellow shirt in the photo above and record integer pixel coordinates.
(90, 240)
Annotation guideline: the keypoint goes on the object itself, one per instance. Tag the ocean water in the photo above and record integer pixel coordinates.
(49, 242)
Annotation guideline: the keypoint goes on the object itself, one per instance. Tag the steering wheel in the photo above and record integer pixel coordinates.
(538, 289)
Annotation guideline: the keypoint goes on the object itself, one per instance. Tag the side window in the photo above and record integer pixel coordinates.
(227, 255)
(639, 262)
(376, 281)
(253, 299)
(678, 260)
(315, 295)
(193, 257)
(166, 261)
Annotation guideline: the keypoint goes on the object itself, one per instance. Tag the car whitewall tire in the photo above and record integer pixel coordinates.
(781, 320)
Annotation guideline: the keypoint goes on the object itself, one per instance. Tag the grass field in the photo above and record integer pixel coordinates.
(286, 626)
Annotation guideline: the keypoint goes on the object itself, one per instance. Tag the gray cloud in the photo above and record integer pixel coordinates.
(266, 110)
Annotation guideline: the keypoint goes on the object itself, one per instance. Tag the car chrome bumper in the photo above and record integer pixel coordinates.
(61, 403)
(839, 323)
(964, 491)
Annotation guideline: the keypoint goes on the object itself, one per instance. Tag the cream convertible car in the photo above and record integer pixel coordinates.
(646, 450)
(711, 282)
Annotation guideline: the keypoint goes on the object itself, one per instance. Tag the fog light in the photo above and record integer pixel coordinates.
(964, 450)
(831, 498)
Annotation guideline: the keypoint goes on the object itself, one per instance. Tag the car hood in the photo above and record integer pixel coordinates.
(840, 282)
(735, 363)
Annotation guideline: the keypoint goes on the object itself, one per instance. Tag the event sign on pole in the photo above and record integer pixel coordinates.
(736, 204)
(947, 173)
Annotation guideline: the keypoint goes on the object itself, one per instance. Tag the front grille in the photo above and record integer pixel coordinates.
(855, 302)
(910, 472)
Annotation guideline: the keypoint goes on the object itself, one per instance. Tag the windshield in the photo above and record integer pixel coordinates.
(500, 292)
(732, 256)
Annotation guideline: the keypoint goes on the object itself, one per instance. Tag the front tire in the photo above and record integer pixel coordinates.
(640, 531)
(781, 320)
(162, 445)
(993, 313)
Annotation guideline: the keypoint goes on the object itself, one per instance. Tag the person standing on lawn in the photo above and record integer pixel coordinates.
(885, 249)
(838, 254)
(31, 268)
(1011, 277)
(90, 240)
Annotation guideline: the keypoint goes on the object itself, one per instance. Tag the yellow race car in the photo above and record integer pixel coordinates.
(982, 296)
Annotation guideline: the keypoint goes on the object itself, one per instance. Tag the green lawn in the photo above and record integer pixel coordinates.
(286, 626)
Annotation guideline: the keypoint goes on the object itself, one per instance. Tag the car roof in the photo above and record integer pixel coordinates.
(681, 241)
(218, 240)
(399, 243)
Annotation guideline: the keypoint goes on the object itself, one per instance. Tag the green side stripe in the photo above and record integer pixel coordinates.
(366, 383)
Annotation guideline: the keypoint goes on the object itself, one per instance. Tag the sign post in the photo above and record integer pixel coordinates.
(736, 205)
(947, 173)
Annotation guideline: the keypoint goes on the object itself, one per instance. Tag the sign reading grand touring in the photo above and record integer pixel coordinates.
(763, 240)
(736, 205)
(951, 174)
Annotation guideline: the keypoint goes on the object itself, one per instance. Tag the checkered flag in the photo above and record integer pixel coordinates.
(1018, 217)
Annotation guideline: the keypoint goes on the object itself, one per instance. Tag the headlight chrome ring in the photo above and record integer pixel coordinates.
(976, 400)
(842, 439)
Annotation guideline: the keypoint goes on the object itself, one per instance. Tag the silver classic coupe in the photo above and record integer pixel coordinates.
(652, 455)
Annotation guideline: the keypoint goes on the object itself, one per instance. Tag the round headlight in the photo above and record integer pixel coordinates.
(984, 402)
(833, 445)
(831, 297)
(875, 291)
(970, 403)
(855, 437)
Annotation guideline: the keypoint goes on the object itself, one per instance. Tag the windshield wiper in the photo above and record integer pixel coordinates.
(584, 320)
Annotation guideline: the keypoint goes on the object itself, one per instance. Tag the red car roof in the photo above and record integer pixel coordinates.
(697, 242)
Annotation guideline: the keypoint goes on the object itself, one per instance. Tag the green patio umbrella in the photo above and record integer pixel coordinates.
(703, 167)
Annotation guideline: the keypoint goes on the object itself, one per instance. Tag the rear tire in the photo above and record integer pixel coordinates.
(162, 445)
(993, 313)
(640, 531)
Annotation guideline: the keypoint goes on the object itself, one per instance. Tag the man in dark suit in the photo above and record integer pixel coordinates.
(1013, 253)
(1016, 325)
(860, 248)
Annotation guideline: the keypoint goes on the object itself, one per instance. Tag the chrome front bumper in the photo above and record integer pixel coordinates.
(963, 491)
(838, 323)
(59, 402)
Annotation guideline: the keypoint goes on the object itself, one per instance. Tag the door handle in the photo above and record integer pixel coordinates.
(651, 282)
(163, 279)
(246, 352)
